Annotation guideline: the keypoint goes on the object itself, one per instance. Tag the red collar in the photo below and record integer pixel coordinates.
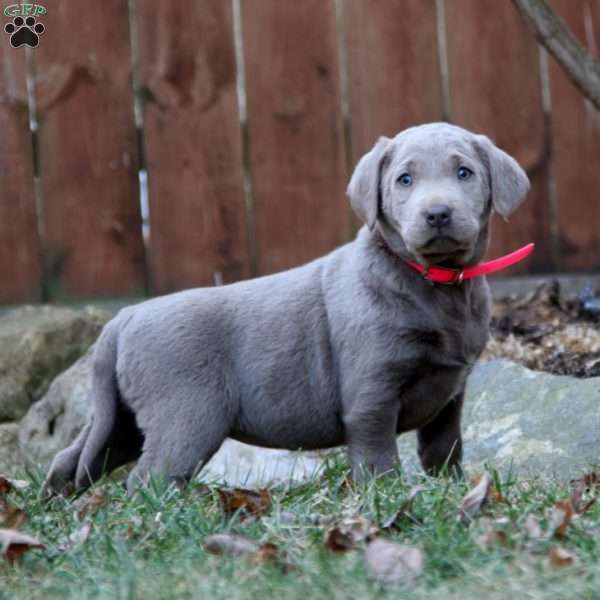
(455, 276)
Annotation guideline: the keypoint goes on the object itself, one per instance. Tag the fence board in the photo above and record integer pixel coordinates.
(88, 158)
(576, 144)
(297, 154)
(495, 89)
(193, 143)
(20, 273)
(393, 68)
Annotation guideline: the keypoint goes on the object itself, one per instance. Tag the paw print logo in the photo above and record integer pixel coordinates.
(24, 32)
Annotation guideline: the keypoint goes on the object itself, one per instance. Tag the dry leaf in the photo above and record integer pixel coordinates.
(559, 557)
(348, 534)
(90, 503)
(490, 535)
(11, 516)
(559, 519)
(237, 545)
(532, 527)
(404, 514)
(586, 483)
(5, 486)
(233, 545)
(389, 562)
(78, 537)
(471, 504)
(81, 535)
(247, 502)
(14, 543)
(270, 553)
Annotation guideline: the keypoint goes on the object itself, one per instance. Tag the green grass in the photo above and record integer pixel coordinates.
(151, 545)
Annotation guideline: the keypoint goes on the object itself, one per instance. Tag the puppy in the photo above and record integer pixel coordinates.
(353, 348)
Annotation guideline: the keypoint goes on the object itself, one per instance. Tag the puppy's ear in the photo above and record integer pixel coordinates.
(509, 183)
(364, 189)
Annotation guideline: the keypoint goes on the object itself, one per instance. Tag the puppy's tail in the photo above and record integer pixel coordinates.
(105, 398)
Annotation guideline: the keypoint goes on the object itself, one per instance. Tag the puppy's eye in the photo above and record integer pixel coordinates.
(464, 173)
(405, 179)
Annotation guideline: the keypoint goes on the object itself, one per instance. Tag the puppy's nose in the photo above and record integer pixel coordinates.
(438, 215)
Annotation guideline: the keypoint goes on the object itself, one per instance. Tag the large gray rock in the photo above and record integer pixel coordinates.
(539, 422)
(532, 422)
(54, 422)
(36, 344)
(10, 458)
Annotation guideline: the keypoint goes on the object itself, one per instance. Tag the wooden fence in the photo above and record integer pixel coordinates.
(248, 116)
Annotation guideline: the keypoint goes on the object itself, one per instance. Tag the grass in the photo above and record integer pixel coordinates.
(151, 545)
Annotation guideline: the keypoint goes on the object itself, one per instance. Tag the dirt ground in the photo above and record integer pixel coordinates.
(548, 331)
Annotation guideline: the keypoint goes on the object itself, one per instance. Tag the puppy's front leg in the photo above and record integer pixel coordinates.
(440, 441)
(371, 439)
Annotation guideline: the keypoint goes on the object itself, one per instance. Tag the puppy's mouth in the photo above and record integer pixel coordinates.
(445, 251)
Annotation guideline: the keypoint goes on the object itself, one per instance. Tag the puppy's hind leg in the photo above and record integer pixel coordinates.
(178, 444)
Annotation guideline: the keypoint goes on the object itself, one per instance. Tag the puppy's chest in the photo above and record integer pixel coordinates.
(445, 356)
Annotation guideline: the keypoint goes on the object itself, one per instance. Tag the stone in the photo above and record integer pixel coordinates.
(55, 421)
(10, 459)
(36, 344)
(530, 422)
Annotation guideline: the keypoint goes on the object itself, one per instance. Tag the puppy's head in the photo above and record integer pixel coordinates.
(432, 188)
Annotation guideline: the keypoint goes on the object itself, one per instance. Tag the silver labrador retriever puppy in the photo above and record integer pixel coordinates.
(352, 348)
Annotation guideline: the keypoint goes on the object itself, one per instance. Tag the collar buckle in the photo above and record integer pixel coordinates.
(459, 275)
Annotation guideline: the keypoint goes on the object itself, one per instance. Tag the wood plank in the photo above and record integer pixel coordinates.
(393, 68)
(495, 89)
(576, 145)
(295, 127)
(88, 151)
(193, 143)
(20, 272)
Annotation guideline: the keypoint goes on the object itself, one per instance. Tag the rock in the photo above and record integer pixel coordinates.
(10, 459)
(531, 422)
(541, 423)
(54, 422)
(36, 344)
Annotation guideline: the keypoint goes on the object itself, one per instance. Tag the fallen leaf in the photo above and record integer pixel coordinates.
(232, 545)
(559, 519)
(532, 527)
(14, 543)
(404, 513)
(270, 553)
(348, 534)
(7, 484)
(473, 501)
(590, 481)
(78, 537)
(90, 503)
(81, 535)
(11, 516)
(237, 545)
(559, 557)
(391, 563)
(247, 502)
(491, 536)
(584, 484)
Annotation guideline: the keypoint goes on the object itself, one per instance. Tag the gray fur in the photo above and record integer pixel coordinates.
(352, 348)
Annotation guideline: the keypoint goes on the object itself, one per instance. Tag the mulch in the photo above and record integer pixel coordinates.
(548, 331)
